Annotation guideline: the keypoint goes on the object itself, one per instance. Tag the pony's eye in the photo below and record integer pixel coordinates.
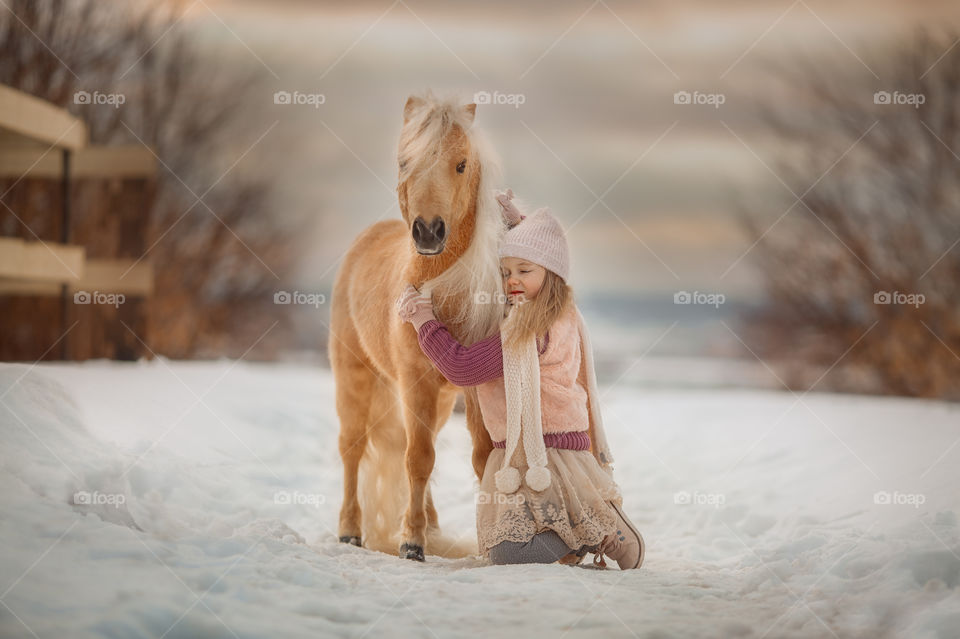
(403, 165)
(461, 166)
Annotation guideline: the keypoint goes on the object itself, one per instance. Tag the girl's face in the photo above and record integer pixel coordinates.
(522, 280)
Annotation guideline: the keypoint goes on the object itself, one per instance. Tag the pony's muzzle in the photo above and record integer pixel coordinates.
(429, 239)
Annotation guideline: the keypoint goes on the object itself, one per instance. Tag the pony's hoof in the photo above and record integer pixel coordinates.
(411, 551)
(350, 539)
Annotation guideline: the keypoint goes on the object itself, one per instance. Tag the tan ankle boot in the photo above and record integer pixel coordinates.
(625, 546)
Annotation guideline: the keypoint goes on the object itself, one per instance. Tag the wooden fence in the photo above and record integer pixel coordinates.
(73, 222)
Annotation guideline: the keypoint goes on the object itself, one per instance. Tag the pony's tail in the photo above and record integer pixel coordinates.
(443, 545)
(382, 486)
(383, 491)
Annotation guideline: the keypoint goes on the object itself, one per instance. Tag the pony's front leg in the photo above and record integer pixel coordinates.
(420, 417)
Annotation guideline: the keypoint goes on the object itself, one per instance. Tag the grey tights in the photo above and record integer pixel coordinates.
(543, 548)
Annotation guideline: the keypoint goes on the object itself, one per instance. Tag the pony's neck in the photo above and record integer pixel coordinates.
(465, 303)
(470, 328)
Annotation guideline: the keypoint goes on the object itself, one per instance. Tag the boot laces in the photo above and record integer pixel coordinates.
(609, 545)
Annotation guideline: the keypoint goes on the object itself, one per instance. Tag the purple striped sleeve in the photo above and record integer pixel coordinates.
(461, 365)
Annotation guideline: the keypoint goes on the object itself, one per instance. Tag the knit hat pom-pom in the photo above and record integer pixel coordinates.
(508, 479)
(538, 478)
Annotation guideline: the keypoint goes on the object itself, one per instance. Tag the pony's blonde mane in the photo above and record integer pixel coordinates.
(473, 281)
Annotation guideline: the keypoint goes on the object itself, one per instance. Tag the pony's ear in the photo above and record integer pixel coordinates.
(471, 111)
(413, 103)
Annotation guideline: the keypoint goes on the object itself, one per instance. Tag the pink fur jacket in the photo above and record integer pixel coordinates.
(563, 400)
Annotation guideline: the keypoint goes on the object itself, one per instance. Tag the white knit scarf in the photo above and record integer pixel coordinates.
(521, 379)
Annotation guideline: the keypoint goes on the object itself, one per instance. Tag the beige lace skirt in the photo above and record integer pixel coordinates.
(574, 505)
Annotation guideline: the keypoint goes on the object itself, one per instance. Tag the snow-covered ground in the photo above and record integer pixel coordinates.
(200, 500)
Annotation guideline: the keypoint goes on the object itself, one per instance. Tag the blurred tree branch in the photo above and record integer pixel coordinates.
(884, 218)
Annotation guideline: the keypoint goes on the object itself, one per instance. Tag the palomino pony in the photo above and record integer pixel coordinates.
(391, 400)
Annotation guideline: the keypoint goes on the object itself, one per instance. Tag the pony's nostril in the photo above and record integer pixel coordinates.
(418, 229)
(440, 230)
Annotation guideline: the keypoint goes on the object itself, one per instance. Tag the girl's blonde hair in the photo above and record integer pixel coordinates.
(536, 316)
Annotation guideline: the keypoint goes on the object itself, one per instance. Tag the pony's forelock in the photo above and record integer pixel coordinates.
(422, 135)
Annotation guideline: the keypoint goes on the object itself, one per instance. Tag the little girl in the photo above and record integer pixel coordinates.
(568, 504)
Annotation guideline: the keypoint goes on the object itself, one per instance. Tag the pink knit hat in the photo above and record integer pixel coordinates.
(538, 237)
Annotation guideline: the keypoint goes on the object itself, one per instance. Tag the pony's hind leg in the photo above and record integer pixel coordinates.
(445, 403)
(355, 382)
(482, 444)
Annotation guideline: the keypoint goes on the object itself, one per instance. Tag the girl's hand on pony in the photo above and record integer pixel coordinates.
(414, 307)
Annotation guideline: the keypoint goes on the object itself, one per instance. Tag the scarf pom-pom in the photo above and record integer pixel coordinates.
(538, 478)
(507, 479)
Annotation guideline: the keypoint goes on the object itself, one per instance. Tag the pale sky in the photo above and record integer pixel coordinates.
(597, 81)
